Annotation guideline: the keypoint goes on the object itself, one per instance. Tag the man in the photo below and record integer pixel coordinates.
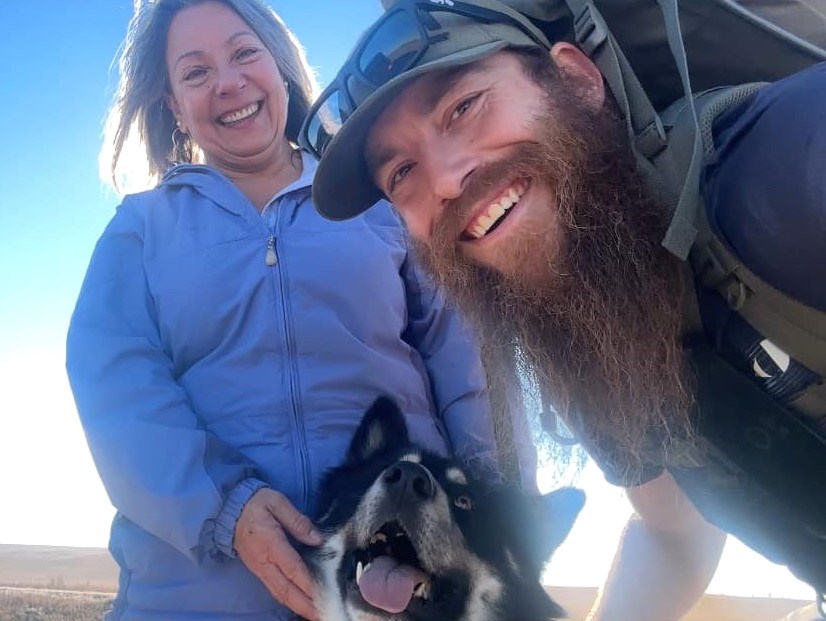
(510, 163)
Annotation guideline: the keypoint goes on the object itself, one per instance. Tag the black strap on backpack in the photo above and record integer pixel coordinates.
(770, 466)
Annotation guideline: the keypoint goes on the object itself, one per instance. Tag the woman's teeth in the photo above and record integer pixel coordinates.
(496, 211)
(238, 115)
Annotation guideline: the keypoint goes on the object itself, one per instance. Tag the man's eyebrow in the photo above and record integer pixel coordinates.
(442, 82)
(232, 38)
(377, 159)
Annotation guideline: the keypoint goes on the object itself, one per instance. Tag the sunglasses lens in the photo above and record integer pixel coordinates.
(325, 123)
(391, 49)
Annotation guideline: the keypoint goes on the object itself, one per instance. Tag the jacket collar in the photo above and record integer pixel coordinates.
(219, 189)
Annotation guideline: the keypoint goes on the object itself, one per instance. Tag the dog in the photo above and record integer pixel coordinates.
(412, 536)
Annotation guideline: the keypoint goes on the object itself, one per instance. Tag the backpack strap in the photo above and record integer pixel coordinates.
(595, 39)
(681, 233)
(797, 328)
(644, 124)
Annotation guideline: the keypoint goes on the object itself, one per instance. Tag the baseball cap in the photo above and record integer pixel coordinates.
(412, 38)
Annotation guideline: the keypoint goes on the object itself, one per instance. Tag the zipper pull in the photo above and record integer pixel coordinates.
(272, 257)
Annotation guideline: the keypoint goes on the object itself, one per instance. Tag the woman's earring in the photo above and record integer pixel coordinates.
(180, 150)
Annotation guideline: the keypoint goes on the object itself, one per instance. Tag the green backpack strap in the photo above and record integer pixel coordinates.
(682, 232)
(644, 124)
(797, 329)
(595, 39)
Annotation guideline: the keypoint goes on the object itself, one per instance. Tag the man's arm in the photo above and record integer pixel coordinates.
(666, 557)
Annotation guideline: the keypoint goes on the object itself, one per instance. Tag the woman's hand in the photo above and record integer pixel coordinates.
(261, 543)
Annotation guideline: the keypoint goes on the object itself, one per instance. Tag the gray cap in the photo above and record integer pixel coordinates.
(343, 187)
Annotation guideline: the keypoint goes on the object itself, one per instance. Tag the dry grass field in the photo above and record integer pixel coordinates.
(18, 604)
(41, 583)
(74, 569)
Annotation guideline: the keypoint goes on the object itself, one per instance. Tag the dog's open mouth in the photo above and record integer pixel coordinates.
(388, 571)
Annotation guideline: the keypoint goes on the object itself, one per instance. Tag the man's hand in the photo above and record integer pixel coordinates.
(261, 543)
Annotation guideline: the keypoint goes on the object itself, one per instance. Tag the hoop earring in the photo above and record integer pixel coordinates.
(180, 149)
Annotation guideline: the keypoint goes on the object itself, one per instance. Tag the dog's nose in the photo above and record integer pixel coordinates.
(406, 477)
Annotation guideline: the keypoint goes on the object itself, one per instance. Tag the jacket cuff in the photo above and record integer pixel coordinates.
(224, 533)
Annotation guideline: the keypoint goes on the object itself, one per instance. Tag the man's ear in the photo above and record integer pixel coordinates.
(575, 64)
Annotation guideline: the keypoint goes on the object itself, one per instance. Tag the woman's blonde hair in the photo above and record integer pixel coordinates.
(140, 102)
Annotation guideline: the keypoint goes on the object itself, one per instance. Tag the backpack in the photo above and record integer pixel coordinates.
(674, 68)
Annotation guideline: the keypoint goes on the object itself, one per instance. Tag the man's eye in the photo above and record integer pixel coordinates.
(398, 176)
(463, 106)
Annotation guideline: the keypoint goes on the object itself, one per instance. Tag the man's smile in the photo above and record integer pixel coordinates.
(491, 213)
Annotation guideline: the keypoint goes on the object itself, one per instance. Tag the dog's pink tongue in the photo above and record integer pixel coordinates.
(388, 585)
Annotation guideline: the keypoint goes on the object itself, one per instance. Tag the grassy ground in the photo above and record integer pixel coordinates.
(45, 605)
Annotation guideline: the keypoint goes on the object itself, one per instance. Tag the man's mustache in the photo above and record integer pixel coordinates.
(525, 161)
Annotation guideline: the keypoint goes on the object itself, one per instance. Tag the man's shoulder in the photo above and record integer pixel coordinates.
(764, 190)
(796, 100)
(773, 118)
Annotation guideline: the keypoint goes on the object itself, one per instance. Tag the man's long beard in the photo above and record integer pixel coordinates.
(594, 320)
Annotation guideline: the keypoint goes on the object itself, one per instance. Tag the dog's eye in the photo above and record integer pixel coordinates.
(463, 502)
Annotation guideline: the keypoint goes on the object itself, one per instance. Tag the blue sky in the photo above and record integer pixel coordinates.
(57, 78)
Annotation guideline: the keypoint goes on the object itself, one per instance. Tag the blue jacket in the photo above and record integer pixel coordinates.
(201, 373)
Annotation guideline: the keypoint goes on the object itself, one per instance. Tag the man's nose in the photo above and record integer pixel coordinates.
(450, 171)
(229, 80)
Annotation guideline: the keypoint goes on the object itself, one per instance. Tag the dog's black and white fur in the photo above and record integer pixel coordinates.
(481, 549)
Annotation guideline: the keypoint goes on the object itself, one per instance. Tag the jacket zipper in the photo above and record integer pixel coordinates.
(272, 255)
(272, 259)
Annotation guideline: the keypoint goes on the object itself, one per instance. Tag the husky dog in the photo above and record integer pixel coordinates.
(412, 536)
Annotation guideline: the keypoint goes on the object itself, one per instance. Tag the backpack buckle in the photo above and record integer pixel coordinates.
(714, 273)
(589, 33)
(651, 141)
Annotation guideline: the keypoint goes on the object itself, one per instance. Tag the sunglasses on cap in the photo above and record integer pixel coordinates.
(394, 44)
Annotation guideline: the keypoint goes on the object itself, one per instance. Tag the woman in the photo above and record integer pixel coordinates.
(228, 339)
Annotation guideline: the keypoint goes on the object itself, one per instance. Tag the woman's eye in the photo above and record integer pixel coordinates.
(195, 75)
(463, 106)
(246, 53)
(463, 502)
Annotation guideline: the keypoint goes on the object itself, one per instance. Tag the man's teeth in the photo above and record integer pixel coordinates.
(243, 113)
(495, 211)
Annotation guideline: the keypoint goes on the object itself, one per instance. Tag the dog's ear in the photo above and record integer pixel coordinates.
(538, 525)
(557, 513)
(382, 429)
(534, 527)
